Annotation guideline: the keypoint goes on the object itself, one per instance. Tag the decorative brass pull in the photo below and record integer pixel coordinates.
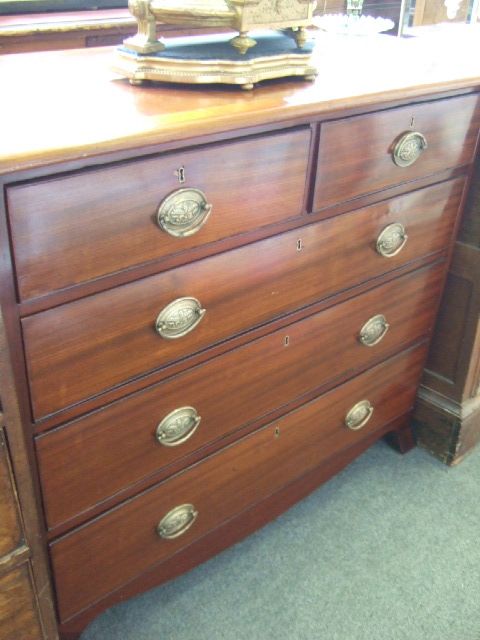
(183, 212)
(359, 415)
(177, 522)
(178, 426)
(408, 149)
(179, 318)
(392, 240)
(373, 331)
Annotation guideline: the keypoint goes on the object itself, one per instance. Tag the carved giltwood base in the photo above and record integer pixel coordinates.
(211, 60)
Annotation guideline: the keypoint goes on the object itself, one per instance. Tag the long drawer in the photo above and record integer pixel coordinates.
(123, 542)
(85, 462)
(88, 346)
(359, 155)
(105, 220)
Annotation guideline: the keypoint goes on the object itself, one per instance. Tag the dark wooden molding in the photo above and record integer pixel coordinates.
(447, 417)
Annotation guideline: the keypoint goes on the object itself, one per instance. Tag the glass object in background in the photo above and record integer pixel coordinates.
(354, 7)
(353, 22)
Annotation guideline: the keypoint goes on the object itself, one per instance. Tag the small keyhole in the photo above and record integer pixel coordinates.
(299, 244)
(287, 341)
(412, 122)
(181, 175)
(277, 432)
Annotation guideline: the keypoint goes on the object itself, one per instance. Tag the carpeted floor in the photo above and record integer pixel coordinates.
(387, 550)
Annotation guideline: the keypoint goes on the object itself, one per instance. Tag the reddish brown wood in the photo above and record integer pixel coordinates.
(18, 607)
(124, 542)
(105, 220)
(33, 595)
(447, 413)
(112, 336)
(230, 532)
(76, 29)
(10, 527)
(87, 328)
(227, 392)
(403, 440)
(90, 93)
(59, 297)
(355, 155)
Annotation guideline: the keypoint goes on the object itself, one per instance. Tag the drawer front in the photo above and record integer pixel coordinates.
(124, 542)
(356, 154)
(88, 346)
(91, 459)
(106, 220)
(11, 535)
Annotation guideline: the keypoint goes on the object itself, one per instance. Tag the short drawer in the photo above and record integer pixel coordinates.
(86, 462)
(357, 155)
(72, 229)
(83, 348)
(124, 542)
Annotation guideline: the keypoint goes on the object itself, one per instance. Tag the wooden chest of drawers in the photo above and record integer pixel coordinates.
(207, 329)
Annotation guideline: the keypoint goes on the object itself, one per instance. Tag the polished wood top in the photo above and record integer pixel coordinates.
(36, 23)
(69, 105)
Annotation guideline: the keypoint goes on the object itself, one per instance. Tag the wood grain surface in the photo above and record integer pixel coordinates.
(124, 542)
(18, 606)
(355, 155)
(275, 363)
(11, 535)
(88, 346)
(105, 220)
(91, 111)
(232, 531)
(86, 462)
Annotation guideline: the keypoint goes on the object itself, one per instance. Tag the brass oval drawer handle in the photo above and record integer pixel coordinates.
(392, 240)
(359, 415)
(179, 318)
(373, 331)
(177, 522)
(408, 149)
(178, 426)
(183, 212)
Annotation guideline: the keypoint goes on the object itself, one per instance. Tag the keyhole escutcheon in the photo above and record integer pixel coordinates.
(180, 173)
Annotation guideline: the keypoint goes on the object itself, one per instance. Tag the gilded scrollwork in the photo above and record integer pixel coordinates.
(278, 10)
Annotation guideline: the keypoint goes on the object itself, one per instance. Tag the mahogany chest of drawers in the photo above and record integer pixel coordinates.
(208, 329)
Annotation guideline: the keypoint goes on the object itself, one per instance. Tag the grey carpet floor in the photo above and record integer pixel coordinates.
(389, 549)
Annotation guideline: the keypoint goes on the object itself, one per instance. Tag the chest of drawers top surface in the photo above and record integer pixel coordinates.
(90, 110)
